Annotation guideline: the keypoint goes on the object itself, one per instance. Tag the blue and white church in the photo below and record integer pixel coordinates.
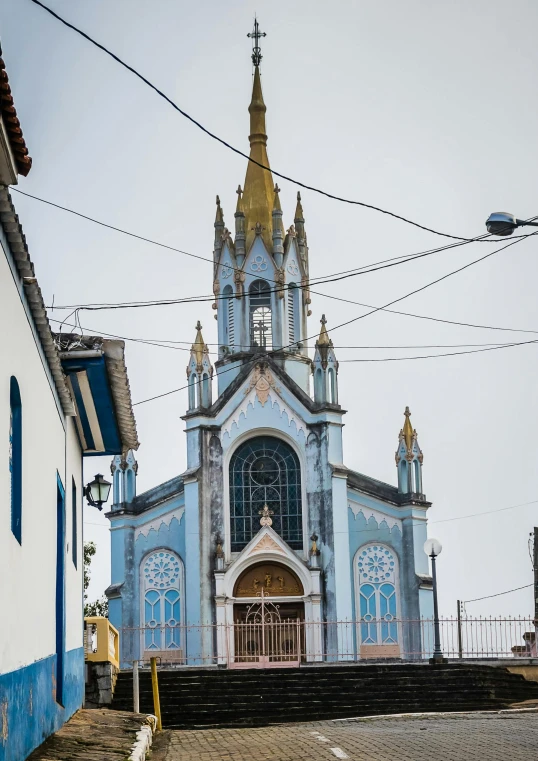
(267, 523)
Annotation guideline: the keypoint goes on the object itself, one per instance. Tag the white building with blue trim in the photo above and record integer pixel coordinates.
(266, 504)
(61, 398)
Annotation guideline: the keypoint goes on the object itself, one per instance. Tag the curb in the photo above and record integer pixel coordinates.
(144, 738)
(436, 714)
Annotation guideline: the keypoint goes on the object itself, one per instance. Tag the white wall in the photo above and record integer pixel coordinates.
(28, 571)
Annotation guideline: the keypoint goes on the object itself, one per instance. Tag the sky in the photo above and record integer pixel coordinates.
(424, 109)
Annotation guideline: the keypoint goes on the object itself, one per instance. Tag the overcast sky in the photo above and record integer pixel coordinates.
(425, 109)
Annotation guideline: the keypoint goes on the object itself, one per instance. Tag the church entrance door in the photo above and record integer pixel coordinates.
(268, 634)
(268, 628)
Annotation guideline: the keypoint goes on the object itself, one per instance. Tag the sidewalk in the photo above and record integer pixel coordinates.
(92, 735)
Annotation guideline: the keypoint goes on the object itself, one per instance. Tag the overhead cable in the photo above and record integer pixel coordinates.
(499, 594)
(355, 319)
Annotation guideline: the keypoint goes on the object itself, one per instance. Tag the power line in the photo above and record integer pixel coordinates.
(228, 145)
(348, 322)
(487, 597)
(487, 512)
(433, 356)
(318, 293)
(333, 277)
(165, 345)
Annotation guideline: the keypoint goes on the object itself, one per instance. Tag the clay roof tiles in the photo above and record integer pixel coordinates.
(12, 124)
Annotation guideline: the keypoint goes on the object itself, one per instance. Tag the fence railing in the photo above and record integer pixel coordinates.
(290, 643)
(101, 641)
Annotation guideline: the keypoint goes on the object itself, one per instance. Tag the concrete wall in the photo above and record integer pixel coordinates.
(50, 449)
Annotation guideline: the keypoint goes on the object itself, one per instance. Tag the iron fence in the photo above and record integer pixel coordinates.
(293, 642)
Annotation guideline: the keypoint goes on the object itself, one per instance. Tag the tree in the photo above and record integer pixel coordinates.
(98, 607)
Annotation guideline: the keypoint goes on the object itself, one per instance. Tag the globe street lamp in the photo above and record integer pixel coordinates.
(503, 223)
(433, 548)
(97, 491)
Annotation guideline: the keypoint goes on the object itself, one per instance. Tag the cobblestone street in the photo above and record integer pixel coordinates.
(469, 737)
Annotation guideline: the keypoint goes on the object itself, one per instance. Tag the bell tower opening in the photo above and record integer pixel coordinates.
(261, 332)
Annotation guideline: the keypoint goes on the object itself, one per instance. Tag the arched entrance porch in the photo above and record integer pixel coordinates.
(268, 607)
(268, 617)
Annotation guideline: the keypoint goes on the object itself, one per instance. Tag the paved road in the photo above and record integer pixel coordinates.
(469, 737)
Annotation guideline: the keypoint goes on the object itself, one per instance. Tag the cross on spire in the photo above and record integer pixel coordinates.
(255, 37)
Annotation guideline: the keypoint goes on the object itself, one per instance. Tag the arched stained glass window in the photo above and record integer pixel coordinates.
(162, 587)
(376, 573)
(265, 471)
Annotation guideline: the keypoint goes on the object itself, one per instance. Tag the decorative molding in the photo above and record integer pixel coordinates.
(266, 544)
(379, 517)
(250, 400)
(259, 263)
(262, 380)
(156, 523)
(292, 268)
(226, 271)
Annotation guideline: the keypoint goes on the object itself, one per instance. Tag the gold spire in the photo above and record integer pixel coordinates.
(258, 193)
(199, 346)
(407, 430)
(323, 339)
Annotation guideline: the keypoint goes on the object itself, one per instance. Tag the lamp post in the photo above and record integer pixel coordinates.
(503, 223)
(97, 491)
(433, 548)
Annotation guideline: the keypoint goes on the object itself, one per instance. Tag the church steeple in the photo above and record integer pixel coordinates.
(409, 459)
(258, 191)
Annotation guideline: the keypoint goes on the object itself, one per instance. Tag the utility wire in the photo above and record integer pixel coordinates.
(487, 597)
(487, 512)
(333, 277)
(165, 345)
(319, 293)
(355, 319)
(228, 145)
(432, 356)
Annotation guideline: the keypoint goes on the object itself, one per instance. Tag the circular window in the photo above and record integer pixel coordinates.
(264, 471)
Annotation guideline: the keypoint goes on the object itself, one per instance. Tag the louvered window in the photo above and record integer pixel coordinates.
(291, 312)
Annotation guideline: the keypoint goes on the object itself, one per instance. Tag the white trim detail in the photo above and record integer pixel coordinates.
(156, 523)
(250, 400)
(379, 517)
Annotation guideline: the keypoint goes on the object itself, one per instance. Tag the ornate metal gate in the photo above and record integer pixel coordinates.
(265, 640)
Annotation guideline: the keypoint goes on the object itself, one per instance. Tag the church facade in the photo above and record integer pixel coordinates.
(266, 523)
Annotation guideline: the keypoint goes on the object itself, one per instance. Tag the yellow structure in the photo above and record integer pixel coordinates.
(107, 646)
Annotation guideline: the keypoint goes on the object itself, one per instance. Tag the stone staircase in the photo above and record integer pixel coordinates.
(199, 698)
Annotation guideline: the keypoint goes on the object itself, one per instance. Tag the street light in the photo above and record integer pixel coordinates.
(503, 223)
(97, 491)
(433, 548)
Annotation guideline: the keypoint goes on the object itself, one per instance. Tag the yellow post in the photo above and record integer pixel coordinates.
(156, 701)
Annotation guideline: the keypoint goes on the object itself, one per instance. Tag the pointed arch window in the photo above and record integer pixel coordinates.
(15, 457)
(161, 605)
(376, 579)
(265, 471)
(260, 315)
